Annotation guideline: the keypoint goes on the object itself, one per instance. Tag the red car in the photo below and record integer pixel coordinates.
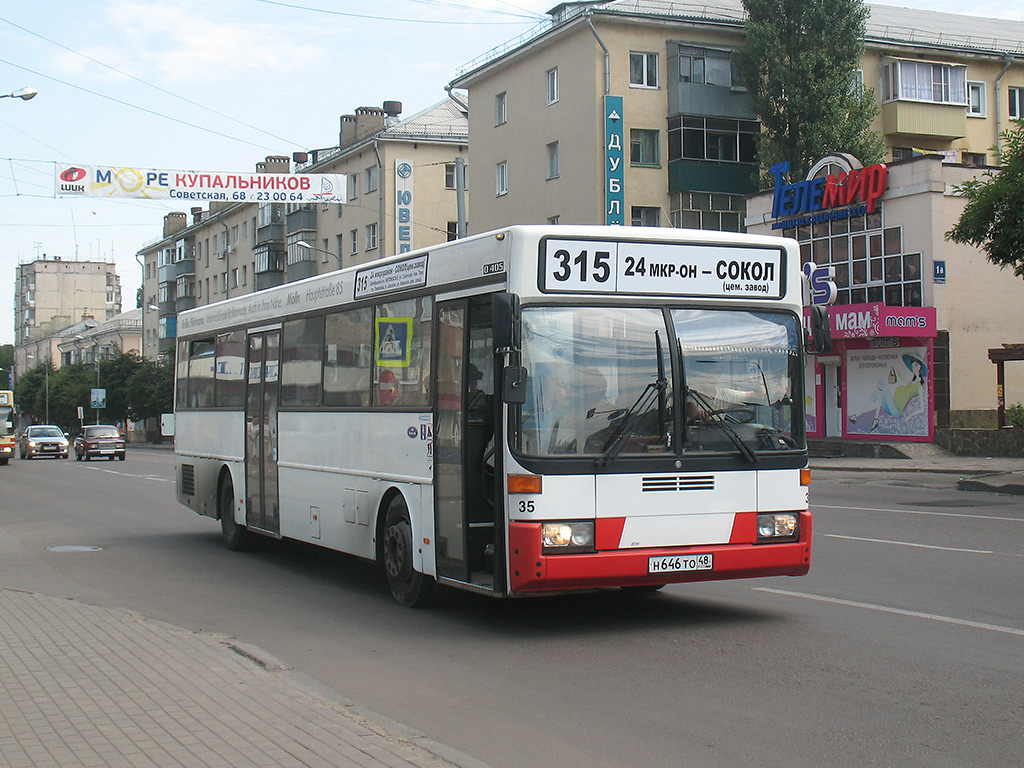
(99, 440)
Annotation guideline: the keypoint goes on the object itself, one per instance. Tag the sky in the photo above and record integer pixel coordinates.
(214, 86)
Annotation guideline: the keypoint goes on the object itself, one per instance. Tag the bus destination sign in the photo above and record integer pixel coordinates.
(396, 276)
(687, 269)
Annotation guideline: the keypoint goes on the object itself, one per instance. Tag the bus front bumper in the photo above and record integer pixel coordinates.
(531, 571)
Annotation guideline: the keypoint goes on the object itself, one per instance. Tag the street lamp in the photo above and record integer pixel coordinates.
(304, 244)
(25, 94)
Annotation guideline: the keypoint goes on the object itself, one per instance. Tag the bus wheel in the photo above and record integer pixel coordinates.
(409, 587)
(235, 536)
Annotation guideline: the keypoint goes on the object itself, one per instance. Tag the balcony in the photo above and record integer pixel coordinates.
(918, 118)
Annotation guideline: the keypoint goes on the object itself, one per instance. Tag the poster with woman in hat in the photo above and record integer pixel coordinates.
(887, 392)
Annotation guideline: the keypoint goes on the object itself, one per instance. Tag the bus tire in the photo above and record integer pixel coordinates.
(409, 587)
(235, 536)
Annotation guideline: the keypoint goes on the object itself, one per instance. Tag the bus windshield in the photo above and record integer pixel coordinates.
(607, 379)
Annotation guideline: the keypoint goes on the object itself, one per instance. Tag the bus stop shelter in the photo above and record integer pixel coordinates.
(1000, 356)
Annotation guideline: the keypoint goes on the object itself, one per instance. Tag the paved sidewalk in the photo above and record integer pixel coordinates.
(973, 473)
(87, 686)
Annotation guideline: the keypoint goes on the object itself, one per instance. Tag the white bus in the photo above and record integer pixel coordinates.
(527, 411)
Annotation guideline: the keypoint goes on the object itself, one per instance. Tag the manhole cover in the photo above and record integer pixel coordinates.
(75, 548)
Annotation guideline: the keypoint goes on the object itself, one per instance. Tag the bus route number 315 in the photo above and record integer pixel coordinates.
(671, 563)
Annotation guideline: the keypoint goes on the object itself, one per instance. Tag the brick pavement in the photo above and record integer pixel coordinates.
(87, 686)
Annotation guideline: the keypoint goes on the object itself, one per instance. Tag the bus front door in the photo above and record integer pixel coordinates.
(465, 517)
(261, 497)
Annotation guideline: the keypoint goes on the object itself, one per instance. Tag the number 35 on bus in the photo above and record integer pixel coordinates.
(526, 411)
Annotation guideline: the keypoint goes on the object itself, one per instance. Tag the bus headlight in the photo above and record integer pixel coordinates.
(779, 525)
(567, 537)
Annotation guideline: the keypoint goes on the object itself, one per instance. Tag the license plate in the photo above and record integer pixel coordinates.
(676, 563)
(106, 451)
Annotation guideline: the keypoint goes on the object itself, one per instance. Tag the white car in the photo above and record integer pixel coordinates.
(43, 440)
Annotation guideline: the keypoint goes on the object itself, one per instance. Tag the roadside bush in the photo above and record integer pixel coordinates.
(1015, 415)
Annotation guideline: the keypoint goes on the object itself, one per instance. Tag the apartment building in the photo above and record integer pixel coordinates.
(52, 294)
(401, 177)
(629, 112)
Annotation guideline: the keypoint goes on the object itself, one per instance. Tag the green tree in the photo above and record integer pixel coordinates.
(151, 390)
(993, 219)
(70, 388)
(798, 61)
(6, 364)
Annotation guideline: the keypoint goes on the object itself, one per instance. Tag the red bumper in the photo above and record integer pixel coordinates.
(531, 571)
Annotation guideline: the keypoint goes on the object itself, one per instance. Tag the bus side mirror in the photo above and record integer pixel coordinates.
(506, 321)
(513, 384)
(821, 332)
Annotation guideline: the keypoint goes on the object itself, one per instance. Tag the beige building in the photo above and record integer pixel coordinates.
(539, 109)
(52, 294)
(401, 177)
(628, 112)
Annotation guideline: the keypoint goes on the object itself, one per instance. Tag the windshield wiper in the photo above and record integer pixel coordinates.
(638, 409)
(714, 417)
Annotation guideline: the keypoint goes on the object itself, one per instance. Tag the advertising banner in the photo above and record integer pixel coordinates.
(199, 186)
(888, 392)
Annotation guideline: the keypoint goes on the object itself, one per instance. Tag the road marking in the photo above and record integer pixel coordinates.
(909, 544)
(922, 512)
(896, 611)
(129, 474)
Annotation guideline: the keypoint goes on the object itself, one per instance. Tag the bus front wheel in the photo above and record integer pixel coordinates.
(235, 536)
(408, 587)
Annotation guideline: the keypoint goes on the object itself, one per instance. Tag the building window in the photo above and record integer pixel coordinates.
(974, 158)
(451, 231)
(645, 216)
(449, 176)
(341, 248)
(976, 99)
(869, 262)
(553, 220)
(353, 186)
(501, 178)
(371, 236)
(501, 108)
(551, 91)
(353, 241)
(705, 66)
(712, 138)
(924, 81)
(715, 211)
(1017, 103)
(643, 147)
(553, 160)
(643, 69)
(371, 179)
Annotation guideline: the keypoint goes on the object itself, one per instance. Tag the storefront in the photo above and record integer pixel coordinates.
(875, 383)
(878, 382)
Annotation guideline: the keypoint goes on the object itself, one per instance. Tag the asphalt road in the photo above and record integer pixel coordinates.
(904, 646)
